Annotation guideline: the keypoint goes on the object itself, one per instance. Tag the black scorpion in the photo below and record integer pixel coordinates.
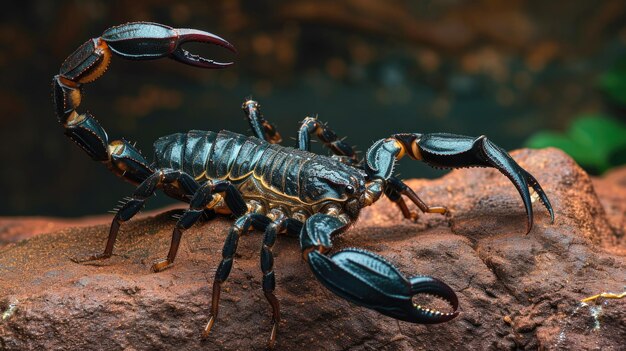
(271, 187)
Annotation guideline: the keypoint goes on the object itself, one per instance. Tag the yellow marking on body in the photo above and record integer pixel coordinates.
(67, 82)
(295, 198)
(116, 147)
(402, 149)
(76, 97)
(272, 189)
(203, 175)
(74, 118)
(216, 199)
(101, 48)
(416, 154)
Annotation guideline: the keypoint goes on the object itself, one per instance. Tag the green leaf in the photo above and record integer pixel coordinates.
(583, 155)
(613, 83)
(596, 142)
(598, 130)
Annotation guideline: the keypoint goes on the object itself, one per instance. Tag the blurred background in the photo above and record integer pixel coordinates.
(531, 72)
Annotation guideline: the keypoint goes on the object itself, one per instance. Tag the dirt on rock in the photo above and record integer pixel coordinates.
(516, 290)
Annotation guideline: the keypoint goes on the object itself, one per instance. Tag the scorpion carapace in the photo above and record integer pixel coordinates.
(270, 187)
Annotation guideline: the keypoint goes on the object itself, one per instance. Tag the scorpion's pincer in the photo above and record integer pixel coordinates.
(369, 280)
(146, 41)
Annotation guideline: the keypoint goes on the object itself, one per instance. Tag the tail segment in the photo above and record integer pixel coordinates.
(137, 41)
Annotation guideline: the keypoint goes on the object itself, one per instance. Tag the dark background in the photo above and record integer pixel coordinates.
(370, 68)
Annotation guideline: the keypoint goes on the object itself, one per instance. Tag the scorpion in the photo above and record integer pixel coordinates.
(273, 188)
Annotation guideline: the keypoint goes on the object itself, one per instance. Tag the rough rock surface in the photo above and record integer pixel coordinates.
(14, 229)
(516, 291)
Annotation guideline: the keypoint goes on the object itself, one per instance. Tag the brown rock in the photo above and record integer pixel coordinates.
(15, 229)
(611, 189)
(515, 290)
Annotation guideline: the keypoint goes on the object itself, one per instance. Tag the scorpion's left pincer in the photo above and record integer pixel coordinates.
(368, 279)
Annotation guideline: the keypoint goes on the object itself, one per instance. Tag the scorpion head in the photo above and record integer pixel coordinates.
(337, 183)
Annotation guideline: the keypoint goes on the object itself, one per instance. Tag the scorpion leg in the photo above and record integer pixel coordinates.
(201, 198)
(137, 201)
(454, 151)
(367, 279)
(261, 128)
(394, 190)
(240, 227)
(312, 125)
(280, 224)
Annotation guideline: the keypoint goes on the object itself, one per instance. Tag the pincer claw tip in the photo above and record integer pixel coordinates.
(148, 41)
(193, 35)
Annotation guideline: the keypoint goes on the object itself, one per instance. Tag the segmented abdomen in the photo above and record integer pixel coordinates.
(228, 155)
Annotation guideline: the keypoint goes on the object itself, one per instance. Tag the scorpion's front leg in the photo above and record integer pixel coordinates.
(367, 279)
(313, 126)
(453, 151)
(261, 128)
(396, 188)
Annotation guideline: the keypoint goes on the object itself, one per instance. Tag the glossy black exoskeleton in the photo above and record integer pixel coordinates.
(271, 187)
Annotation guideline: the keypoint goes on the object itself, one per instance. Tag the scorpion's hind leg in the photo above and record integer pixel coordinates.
(369, 280)
(239, 228)
(261, 128)
(136, 202)
(202, 197)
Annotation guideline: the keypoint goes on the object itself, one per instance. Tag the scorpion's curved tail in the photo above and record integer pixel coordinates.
(135, 41)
